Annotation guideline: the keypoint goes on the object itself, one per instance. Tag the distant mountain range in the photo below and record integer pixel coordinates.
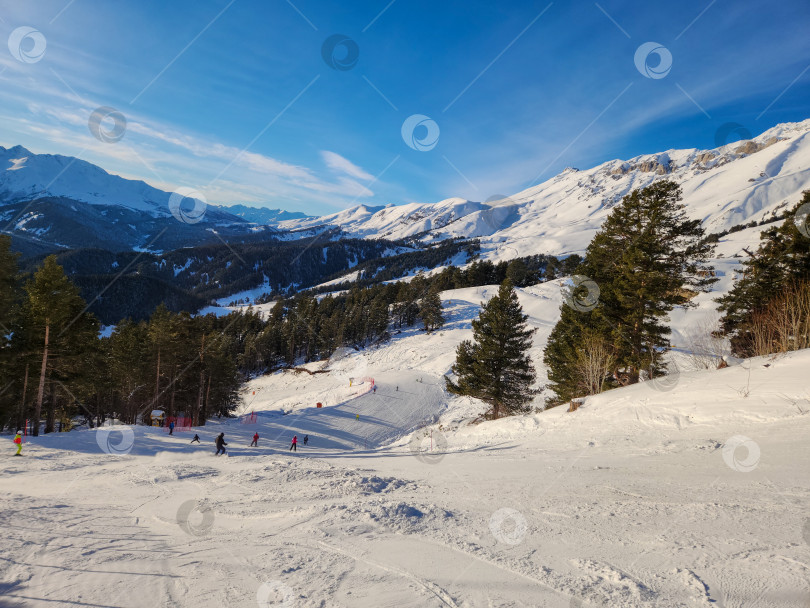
(724, 187)
(51, 202)
(263, 215)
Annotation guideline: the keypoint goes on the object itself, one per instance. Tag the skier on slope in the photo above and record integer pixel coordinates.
(18, 441)
(294, 444)
(196, 438)
(220, 441)
(306, 439)
(171, 428)
(255, 440)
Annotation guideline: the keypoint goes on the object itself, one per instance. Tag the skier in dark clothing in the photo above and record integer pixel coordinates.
(294, 444)
(306, 439)
(196, 438)
(220, 441)
(255, 440)
(171, 428)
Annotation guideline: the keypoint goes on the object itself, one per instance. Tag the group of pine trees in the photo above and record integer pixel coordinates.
(649, 258)
(55, 366)
(768, 309)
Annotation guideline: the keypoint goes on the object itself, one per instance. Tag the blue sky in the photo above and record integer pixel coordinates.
(235, 99)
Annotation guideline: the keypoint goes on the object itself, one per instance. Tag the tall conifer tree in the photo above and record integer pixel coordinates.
(647, 258)
(495, 366)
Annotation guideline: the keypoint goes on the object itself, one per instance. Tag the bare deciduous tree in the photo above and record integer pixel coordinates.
(595, 360)
(783, 324)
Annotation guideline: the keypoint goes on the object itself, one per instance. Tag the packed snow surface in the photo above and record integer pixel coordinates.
(689, 492)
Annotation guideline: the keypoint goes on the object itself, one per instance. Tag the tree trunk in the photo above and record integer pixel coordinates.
(21, 416)
(171, 400)
(157, 384)
(41, 389)
(202, 384)
(204, 413)
(198, 411)
(50, 419)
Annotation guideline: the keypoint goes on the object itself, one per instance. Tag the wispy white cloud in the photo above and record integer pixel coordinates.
(167, 158)
(339, 163)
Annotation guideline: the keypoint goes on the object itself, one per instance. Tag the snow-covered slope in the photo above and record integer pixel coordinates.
(50, 202)
(688, 498)
(25, 175)
(723, 187)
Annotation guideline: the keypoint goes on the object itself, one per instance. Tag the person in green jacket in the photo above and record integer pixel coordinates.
(18, 441)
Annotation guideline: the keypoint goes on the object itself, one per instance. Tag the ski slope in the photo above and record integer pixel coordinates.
(690, 492)
(695, 496)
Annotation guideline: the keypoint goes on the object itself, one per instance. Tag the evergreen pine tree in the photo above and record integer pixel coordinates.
(518, 273)
(647, 258)
(56, 312)
(430, 310)
(495, 366)
(781, 261)
(9, 299)
(9, 287)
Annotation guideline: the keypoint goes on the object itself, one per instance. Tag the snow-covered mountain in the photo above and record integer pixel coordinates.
(724, 187)
(58, 201)
(50, 202)
(26, 175)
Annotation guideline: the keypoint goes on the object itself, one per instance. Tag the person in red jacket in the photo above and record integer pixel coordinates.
(294, 444)
(255, 440)
(18, 441)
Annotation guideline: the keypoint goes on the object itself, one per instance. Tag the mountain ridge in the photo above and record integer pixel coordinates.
(732, 184)
(724, 186)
